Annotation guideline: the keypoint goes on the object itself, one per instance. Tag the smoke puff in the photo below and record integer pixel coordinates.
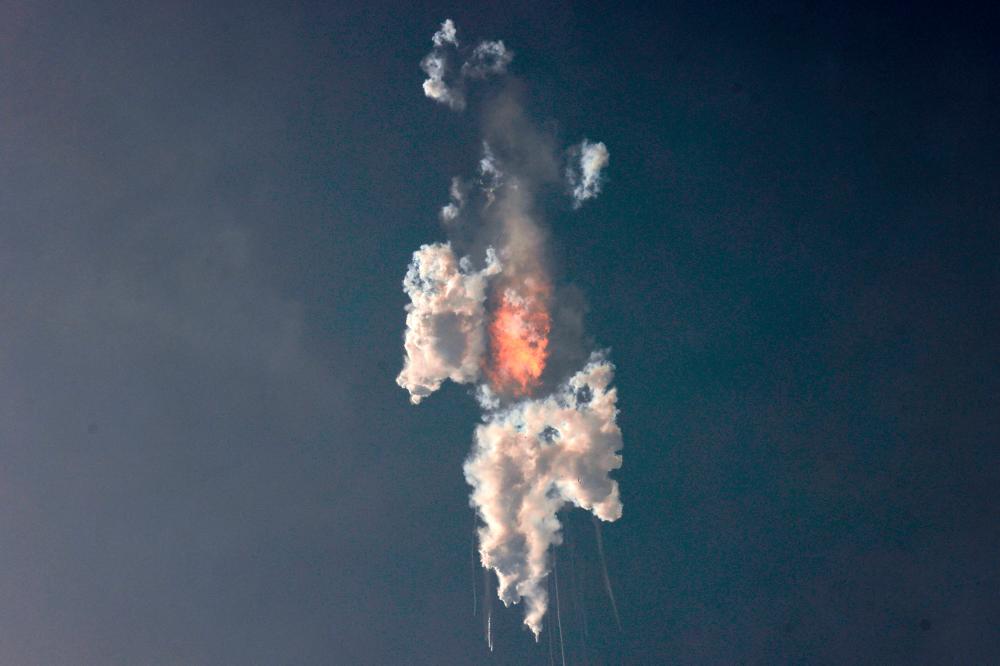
(457, 194)
(446, 35)
(486, 59)
(532, 459)
(435, 65)
(583, 174)
(445, 333)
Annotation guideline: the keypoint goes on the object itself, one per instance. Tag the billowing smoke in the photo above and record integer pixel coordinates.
(549, 437)
(531, 459)
(444, 320)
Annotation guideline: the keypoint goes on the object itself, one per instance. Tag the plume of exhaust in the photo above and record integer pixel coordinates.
(534, 458)
(445, 336)
(584, 172)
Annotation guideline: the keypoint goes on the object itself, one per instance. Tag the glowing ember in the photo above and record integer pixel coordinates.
(519, 339)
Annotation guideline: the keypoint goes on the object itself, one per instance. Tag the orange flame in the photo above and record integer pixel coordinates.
(519, 338)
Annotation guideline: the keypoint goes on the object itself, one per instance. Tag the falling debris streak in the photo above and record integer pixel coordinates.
(552, 658)
(487, 609)
(578, 602)
(604, 571)
(555, 571)
(475, 600)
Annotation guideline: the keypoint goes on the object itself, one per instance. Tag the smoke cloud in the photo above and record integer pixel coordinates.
(548, 438)
(457, 194)
(488, 58)
(446, 35)
(444, 322)
(587, 162)
(531, 460)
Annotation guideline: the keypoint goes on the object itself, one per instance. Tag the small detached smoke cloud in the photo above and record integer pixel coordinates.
(487, 59)
(435, 65)
(457, 194)
(531, 460)
(587, 161)
(490, 174)
(445, 336)
(446, 35)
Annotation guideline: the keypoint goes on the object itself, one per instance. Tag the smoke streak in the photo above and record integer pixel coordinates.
(578, 601)
(472, 562)
(487, 610)
(552, 658)
(549, 436)
(604, 571)
(562, 649)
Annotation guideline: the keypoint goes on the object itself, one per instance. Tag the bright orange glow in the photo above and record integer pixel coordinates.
(519, 338)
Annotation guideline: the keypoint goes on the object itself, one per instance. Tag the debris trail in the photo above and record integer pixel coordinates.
(489, 630)
(604, 571)
(552, 659)
(487, 609)
(562, 649)
(475, 600)
(578, 602)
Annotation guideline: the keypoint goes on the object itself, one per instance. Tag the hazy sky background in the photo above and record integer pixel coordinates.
(206, 210)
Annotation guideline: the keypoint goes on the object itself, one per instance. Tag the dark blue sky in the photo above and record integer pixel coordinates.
(206, 210)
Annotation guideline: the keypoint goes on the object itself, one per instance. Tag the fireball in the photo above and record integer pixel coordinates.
(519, 338)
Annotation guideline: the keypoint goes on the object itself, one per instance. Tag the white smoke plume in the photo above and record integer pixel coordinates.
(444, 321)
(488, 58)
(587, 162)
(528, 462)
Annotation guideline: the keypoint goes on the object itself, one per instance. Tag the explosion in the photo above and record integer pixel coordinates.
(519, 338)
(486, 319)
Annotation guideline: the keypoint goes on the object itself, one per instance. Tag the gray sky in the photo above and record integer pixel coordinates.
(205, 216)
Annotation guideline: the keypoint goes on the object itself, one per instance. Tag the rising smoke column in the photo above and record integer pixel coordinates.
(544, 444)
